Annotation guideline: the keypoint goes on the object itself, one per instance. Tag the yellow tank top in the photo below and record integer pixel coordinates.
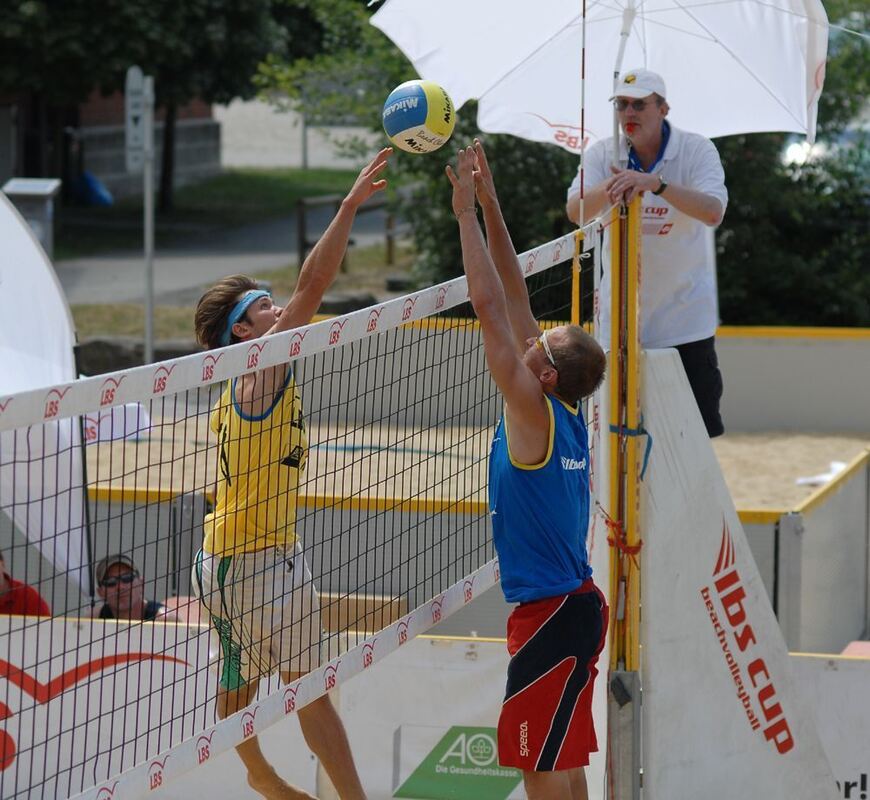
(261, 460)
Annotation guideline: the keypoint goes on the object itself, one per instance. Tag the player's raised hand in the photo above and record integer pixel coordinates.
(368, 181)
(463, 182)
(484, 185)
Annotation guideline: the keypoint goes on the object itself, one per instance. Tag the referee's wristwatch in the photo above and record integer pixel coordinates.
(662, 185)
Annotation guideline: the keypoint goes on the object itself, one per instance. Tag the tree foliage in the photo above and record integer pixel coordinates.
(794, 243)
(62, 50)
(58, 52)
(206, 49)
(349, 81)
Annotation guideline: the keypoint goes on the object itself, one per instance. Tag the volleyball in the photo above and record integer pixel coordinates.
(419, 116)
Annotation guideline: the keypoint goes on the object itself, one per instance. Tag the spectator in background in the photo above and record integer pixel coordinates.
(19, 598)
(122, 590)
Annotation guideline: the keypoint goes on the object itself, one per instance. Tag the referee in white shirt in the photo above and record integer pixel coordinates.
(681, 176)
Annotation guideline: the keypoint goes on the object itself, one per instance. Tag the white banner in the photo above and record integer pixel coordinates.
(720, 704)
(836, 689)
(423, 724)
(112, 696)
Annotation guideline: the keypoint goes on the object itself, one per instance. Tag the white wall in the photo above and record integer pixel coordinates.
(795, 382)
(256, 134)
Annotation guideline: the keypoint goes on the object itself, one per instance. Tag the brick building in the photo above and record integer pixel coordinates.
(35, 142)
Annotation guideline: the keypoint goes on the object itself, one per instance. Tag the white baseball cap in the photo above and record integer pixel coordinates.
(640, 83)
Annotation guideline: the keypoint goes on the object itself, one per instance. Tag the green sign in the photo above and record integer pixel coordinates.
(462, 766)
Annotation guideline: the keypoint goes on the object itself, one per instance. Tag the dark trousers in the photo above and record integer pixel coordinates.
(702, 369)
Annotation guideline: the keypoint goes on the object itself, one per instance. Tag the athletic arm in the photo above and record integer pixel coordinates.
(521, 389)
(164, 614)
(503, 253)
(695, 204)
(322, 264)
(256, 391)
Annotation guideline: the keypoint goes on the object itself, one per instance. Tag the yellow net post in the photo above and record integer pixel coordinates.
(617, 597)
(632, 422)
(624, 424)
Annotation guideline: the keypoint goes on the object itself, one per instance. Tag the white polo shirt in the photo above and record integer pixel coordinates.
(678, 302)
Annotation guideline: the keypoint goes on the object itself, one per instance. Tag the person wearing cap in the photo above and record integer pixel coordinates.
(251, 574)
(120, 586)
(17, 597)
(683, 184)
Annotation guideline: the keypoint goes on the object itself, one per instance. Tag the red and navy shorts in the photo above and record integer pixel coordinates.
(546, 719)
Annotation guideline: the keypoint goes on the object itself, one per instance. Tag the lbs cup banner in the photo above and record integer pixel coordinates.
(460, 762)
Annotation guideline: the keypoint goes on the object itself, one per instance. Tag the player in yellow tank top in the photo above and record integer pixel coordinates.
(251, 566)
(261, 461)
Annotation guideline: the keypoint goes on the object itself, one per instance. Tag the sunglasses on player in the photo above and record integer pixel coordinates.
(541, 342)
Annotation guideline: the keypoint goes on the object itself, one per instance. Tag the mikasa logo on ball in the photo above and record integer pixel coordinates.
(401, 105)
(418, 116)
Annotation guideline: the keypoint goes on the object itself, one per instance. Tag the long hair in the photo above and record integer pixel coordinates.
(214, 307)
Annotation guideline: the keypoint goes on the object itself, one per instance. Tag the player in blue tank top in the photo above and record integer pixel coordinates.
(540, 512)
(539, 502)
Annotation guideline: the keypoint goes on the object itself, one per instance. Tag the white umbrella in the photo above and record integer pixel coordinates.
(738, 66)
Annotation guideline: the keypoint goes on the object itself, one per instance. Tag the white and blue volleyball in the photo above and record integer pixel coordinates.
(419, 116)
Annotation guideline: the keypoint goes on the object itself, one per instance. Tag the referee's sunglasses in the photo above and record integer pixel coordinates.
(638, 105)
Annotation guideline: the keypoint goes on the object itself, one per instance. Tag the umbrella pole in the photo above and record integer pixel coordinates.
(628, 16)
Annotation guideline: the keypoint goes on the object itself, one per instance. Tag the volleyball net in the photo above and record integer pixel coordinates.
(391, 514)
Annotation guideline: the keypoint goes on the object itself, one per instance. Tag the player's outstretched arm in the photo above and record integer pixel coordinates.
(503, 253)
(257, 390)
(322, 264)
(521, 389)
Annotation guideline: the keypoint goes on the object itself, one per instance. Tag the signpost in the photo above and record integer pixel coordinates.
(139, 117)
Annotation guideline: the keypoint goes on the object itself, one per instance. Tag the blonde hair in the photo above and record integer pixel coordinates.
(580, 362)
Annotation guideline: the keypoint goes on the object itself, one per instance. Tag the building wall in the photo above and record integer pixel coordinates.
(804, 379)
(197, 154)
(256, 134)
(197, 143)
(101, 110)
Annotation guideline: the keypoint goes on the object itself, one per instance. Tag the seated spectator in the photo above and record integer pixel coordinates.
(19, 598)
(122, 589)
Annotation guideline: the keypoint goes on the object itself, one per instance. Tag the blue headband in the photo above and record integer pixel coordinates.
(239, 311)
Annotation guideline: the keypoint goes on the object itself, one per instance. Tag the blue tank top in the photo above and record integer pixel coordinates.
(540, 513)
